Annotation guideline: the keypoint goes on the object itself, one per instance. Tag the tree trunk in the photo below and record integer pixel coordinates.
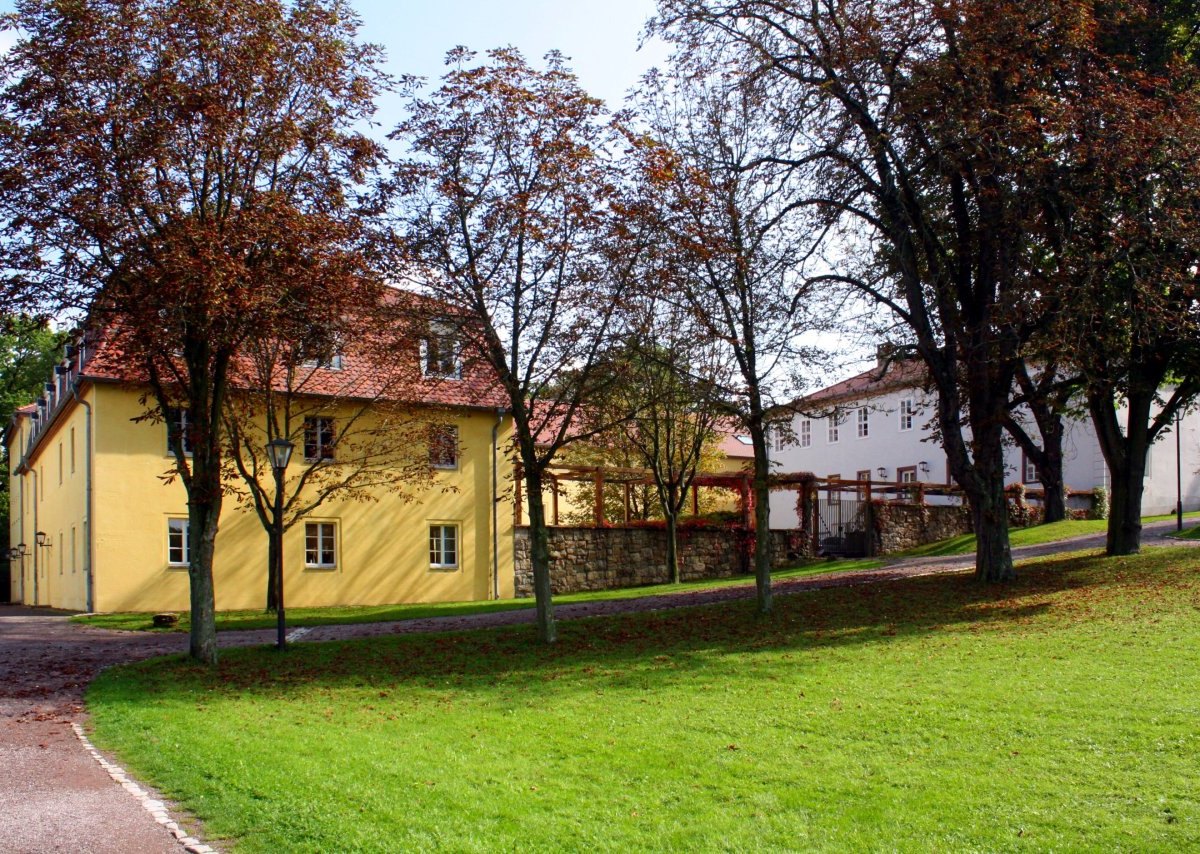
(1125, 452)
(272, 562)
(993, 556)
(1125, 506)
(539, 553)
(762, 519)
(202, 531)
(672, 547)
(1054, 499)
(989, 506)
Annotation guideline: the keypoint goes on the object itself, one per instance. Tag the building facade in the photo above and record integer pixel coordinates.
(878, 426)
(104, 527)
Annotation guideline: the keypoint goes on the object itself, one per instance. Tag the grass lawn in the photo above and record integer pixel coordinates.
(1192, 533)
(1058, 712)
(338, 615)
(1033, 536)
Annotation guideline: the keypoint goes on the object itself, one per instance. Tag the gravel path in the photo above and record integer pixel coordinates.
(55, 797)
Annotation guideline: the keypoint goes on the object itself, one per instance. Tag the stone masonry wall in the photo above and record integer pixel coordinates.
(905, 526)
(606, 558)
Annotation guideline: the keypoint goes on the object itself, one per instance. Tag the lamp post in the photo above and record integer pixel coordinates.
(1178, 476)
(280, 452)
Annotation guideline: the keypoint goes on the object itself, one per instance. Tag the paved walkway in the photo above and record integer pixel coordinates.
(54, 797)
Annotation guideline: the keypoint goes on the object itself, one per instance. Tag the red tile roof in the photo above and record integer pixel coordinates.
(900, 373)
(372, 367)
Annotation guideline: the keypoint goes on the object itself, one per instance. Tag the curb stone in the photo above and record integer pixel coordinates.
(156, 808)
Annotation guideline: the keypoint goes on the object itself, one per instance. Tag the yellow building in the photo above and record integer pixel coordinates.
(103, 531)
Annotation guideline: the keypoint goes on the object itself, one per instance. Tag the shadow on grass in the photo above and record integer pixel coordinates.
(647, 650)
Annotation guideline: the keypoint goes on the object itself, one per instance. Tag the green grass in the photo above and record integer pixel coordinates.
(1032, 536)
(1192, 533)
(1056, 713)
(345, 614)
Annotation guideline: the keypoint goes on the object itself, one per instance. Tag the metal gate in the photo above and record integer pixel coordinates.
(842, 513)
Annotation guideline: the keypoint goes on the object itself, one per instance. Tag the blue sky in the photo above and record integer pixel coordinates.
(600, 36)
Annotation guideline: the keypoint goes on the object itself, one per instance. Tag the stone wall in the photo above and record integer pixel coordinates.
(904, 526)
(607, 558)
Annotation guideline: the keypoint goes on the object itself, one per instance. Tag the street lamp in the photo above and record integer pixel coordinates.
(882, 473)
(280, 452)
(1178, 475)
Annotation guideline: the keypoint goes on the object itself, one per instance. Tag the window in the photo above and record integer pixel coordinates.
(906, 474)
(834, 494)
(864, 422)
(60, 463)
(835, 421)
(60, 553)
(1029, 472)
(72, 551)
(778, 434)
(332, 362)
(443, 446)
(806, 433)
(440, 352)
(443, 546)
(179, 424)
(864, 477)
(318, 439)
(72, 450)
(178, 551)
(320, 545)
(907, 408)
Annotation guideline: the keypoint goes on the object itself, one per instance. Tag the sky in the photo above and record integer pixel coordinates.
(601, 38)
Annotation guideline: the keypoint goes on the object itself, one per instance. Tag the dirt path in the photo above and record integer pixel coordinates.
(53, 795)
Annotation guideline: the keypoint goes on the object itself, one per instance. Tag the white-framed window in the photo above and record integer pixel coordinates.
(178, 548)
(320, 545)
(319, 439)
(1029, 472)
(805, 432)
(864, 422)
(443, 546)
(440, 356)
(332, 362)
(835, 423)
(906, 474)
(443, 446)
(778, 437)
(179, 424)
(907, 410)
(72, 551)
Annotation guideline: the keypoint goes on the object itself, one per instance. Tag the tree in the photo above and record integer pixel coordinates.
(504, 211)
(729, 212)
(1133, 240)
(178, 170)
(924, 136)
(339, 382)
(1047, 394)
(668, 405)
(29, 350)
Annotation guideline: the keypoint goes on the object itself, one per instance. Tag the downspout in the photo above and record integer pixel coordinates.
(90, 579)
(500, 412)
(21, 539)
(36, 547)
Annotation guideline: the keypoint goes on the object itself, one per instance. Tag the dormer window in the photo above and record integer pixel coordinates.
(440, 352)
(332, 362)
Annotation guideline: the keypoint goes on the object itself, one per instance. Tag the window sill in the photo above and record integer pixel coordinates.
(443, 569)
(320, 567)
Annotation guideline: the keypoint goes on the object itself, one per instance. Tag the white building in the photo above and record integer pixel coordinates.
(878, 428)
